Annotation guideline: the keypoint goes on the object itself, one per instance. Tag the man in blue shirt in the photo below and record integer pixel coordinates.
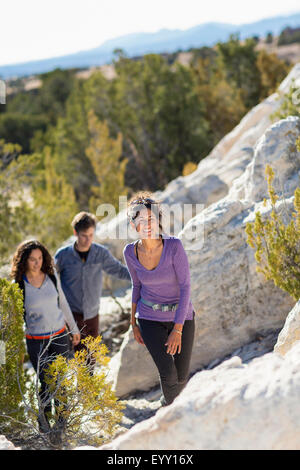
(80, 265)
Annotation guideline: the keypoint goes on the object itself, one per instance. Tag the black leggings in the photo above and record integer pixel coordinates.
(173, 370)
(43, 352)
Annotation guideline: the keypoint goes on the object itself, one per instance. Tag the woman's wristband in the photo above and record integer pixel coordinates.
(177, 331)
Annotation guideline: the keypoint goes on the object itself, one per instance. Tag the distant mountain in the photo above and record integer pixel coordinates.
(165, 40)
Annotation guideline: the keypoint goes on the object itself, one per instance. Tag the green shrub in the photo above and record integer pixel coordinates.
(87, 410)
(290, 103)
(277, 245)
(12, 377)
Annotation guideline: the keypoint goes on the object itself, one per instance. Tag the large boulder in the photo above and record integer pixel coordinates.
(233, 302)
(234, 406)
(132, 368)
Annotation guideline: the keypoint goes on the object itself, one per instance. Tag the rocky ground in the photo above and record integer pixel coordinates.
(142, 405)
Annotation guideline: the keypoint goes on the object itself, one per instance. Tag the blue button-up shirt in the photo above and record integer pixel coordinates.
(82, 281)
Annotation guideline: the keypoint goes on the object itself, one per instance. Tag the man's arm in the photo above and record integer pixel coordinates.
(114, 267)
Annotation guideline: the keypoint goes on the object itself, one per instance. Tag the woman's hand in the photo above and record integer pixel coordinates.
(137, 334)
(173, 343)
(75, 339)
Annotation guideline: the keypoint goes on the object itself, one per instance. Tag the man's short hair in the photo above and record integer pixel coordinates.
(83, 221)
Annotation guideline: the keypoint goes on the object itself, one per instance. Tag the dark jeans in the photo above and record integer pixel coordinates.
(173, 370)
(89, 327)
(41, 353)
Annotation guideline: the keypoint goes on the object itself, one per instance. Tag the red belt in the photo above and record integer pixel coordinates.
(46, 335)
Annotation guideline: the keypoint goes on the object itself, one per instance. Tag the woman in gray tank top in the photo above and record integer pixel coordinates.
(46, 314)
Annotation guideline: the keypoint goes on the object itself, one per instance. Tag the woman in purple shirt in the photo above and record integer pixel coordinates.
(162, 314)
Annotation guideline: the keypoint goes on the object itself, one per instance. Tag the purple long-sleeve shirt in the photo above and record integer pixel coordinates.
(169, 282)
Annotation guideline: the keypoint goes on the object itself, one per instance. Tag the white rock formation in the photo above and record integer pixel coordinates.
(231, 407)
(281, 153)
(290, 334)
(209, 183)
(215, 173)
(232, 301)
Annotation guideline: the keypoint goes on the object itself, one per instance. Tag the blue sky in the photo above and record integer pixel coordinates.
(38, 29)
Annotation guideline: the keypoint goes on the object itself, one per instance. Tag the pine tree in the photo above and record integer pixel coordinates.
(105, 155)
(54, 203)
(17, 216)
(272, 71)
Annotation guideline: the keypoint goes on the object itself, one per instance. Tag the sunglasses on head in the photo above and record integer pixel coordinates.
(141, 200)
(135, 209)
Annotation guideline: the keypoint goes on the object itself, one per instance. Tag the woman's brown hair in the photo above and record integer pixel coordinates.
(141, 200)
(19, 263)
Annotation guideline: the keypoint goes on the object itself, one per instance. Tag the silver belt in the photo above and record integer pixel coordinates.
(162, 307)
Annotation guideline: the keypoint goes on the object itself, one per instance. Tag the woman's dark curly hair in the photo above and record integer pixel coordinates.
(141, 200)
(19, 263)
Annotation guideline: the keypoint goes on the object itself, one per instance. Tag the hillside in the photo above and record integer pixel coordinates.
(165, 40)
(289, 53)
